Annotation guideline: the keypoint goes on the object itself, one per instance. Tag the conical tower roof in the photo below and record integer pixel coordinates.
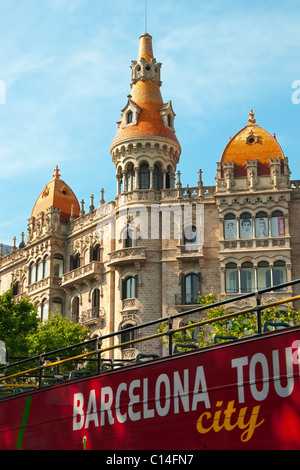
(152, 114)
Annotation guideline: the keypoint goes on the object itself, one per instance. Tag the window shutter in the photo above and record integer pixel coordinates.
(136, 286)
(123, 290)
(182, 284)
(199, 283)
(96, 298)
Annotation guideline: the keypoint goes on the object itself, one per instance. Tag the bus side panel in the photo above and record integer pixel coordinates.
(245, 395)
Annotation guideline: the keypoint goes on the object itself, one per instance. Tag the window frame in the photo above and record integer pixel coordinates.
(280, 230)
(245, 234)
(96, 296)
(144, 176)
(59, 262)
(232, 268)
(248, 277)
(190, 298)
(127, 336)
(75, 309)
(132, 288)
(261, 231)
(230, 228)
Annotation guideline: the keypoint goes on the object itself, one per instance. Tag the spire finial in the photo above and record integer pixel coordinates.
(146, 15)
(145, 48)
(56, 172)
(251, 119)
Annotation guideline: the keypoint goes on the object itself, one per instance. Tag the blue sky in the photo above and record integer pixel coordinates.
(65, 65)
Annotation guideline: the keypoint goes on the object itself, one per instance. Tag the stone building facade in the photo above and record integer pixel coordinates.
(148, 253)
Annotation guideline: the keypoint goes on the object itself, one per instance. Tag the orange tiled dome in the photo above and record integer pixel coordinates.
(252, 143)
(147, 96)
(57, 194)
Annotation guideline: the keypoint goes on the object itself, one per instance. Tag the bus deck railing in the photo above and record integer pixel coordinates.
(47, 361)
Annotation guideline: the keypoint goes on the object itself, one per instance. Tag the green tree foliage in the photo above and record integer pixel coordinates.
(239, 326)
(59, 332)
(56, 333)
(17, 319)
(25, 336)
(242, 325)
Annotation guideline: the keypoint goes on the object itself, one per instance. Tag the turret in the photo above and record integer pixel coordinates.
(146, 150)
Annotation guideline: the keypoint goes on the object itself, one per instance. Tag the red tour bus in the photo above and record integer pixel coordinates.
(240, 394)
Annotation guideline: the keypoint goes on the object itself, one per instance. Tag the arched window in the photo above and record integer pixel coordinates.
(190, 289)
(57, 305)
(129, 238)
(263, 275)
(230, 227)
(144, 176)
(32, 273)
(157, 177)
(46, 267)
(129, 117)
(130, 179)
(168, 179)
(246, 228)
(261, 225)
(279, 273)
(127, 336)
(277, 224)
(58, 266)
(43, 311)
(231, 278)
(75, 310)
(15, 288)
(74, 262)
(95, 253)
(247, 277)
(96, 301)
(130, 288)
(40, 270)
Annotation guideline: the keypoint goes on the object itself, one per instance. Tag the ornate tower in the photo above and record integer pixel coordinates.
(145, 150)
(145, 153)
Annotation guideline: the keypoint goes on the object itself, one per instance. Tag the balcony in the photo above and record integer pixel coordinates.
(187, 299)
(44, 284)
(92, 316)
(82, 275)
(190, 252)
(135, 255)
